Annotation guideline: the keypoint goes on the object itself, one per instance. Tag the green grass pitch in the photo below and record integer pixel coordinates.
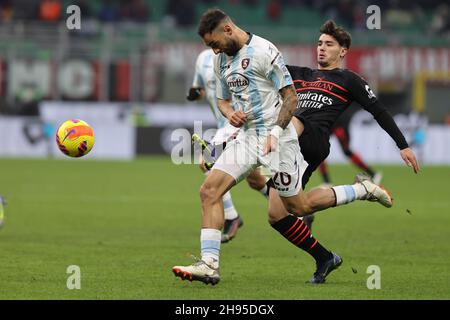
(125, 224)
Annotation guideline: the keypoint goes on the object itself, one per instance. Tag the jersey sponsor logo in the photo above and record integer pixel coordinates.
(245, 62)
(321, 83)
(370, 92)
(316, 84)
(316, 97)
(237, 82)
(309, 104)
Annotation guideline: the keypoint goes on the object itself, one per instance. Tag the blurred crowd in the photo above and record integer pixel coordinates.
(433, 15)
(54, 10)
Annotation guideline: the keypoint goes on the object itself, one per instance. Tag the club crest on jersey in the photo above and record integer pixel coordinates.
(237, 82)
(245, 62)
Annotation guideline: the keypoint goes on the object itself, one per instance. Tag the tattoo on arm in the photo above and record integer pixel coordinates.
(288, 107)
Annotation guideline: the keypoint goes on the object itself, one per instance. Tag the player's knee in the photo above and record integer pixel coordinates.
(307, 205)
(254, 184)
(307, 208)
(272, 217)
(208, 193)
(302, 208)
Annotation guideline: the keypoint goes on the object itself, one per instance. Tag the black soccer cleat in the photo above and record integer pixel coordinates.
(324, 269)
(230, 229)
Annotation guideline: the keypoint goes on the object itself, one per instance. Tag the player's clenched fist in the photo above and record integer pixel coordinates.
(237, 118)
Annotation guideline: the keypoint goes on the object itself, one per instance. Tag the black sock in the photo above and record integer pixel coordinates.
(296, 231)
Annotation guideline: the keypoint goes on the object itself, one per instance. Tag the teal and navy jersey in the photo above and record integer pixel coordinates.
(205, 78)
(253, 78)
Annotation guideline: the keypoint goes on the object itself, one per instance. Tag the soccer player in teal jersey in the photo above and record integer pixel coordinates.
(204, 86)
(251, 72)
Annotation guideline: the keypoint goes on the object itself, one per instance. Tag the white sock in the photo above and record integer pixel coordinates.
(210, 246)
(228, 207)
(349, 193)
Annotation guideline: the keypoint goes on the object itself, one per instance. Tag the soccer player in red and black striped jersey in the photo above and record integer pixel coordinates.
(323, 95)
(326, 92)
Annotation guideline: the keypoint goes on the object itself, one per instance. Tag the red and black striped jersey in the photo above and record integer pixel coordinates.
(323, 95)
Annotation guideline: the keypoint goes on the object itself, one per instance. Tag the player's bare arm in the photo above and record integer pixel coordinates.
(236, 118)
(287, 110)
(288, 106)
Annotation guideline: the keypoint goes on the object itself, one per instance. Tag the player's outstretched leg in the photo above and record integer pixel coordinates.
(363, 189)
(2, 210)
(374, 192)
(297, 232)
(323, 198)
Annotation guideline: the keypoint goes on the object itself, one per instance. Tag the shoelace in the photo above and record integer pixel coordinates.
(197, 260)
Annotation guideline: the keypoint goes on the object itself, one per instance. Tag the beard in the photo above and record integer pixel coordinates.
(323, 64)
(232, 48)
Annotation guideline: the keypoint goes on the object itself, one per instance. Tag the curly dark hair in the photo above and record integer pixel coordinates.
(340, 34)
(210, 20)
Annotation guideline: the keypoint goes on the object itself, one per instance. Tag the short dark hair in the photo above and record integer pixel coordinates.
(339, 33)
(210, 20)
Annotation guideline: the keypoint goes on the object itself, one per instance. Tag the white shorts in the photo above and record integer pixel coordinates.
(265, 172)
(244, 154)
(223, 134)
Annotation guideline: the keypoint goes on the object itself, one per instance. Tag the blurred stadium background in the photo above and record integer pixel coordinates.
(132, 62)
(126, 72)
